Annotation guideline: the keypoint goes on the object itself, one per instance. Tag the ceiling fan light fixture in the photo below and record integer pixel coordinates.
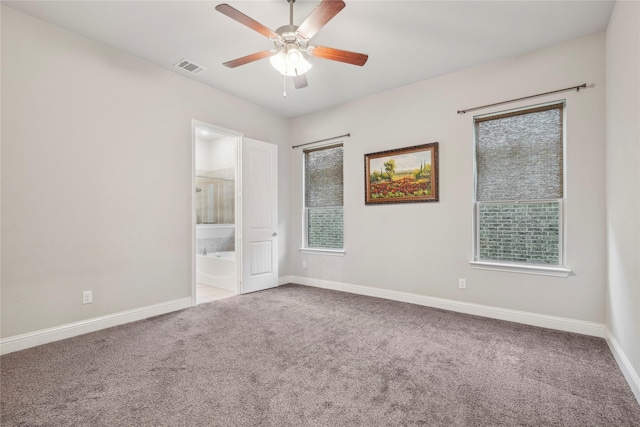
(278, 61)
(294, 56)
(293, 63)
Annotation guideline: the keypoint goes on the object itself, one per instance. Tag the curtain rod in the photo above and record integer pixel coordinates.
(577, 88)
(323, 140)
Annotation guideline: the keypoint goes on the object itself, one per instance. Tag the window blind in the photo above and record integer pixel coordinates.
(323, 177)
(519, 155)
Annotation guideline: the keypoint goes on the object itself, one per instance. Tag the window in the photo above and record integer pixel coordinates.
(323, 198)
(519, 187)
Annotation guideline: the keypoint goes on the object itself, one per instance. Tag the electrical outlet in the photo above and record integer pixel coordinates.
(462, 283)
(304, 264)
(87, 297)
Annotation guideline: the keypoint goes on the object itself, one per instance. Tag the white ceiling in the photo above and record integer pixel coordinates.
(407, 41)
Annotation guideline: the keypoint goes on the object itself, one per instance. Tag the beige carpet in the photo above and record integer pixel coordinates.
(298, 356)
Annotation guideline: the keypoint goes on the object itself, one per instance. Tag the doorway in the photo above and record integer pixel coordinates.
(235, 238)
(215, 210)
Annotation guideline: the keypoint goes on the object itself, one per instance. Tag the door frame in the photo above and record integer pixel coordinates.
(238, 200)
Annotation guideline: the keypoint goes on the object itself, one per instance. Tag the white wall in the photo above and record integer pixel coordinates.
(223, 153)
(424, 248)
(96, 175)
(623, 180)
(203, 154)
(214, 154)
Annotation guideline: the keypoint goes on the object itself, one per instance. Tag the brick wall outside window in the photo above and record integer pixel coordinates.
(523, 232)
(325, 228)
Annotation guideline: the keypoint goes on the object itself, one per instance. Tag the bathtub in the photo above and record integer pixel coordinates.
(217, 269)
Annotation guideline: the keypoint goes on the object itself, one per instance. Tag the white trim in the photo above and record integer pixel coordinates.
(283, 280)
(527, 318)
(44, 336)
(521, 268)
(625, 365)
(334, 252)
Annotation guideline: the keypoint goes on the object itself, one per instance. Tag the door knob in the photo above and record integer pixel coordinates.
(274, 234)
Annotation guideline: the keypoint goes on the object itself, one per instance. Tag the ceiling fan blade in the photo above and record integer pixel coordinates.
(235, 14)
(247, 59)
(322, 14)
(339, 55)
(300, 81)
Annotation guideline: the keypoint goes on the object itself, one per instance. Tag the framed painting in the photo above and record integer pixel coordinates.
(405, 175)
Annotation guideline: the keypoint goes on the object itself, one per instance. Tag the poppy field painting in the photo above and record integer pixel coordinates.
(405, 175)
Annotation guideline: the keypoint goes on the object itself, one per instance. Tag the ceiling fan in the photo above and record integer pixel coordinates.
(292, 41)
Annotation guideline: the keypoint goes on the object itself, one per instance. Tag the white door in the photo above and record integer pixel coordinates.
(259, 198)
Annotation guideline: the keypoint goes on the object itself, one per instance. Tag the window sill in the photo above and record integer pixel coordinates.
(521, 268)
(331, 252)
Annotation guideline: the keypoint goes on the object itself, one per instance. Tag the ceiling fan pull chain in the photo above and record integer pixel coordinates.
(284, 85)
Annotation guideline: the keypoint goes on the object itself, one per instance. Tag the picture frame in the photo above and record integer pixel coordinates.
(404, 175)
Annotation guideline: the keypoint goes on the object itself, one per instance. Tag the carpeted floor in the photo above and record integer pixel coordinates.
(299, 356)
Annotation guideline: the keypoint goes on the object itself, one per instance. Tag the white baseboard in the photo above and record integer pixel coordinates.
(527, 318)
(629, 373)
(285, 279)
(44, 336)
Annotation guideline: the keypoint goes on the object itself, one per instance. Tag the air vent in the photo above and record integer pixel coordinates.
(190, 67)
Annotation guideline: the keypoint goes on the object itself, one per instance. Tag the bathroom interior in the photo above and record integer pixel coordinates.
(215, 205)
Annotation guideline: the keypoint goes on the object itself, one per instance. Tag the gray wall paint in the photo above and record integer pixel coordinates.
(424, 248)
(623, 179)
(96, 175)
